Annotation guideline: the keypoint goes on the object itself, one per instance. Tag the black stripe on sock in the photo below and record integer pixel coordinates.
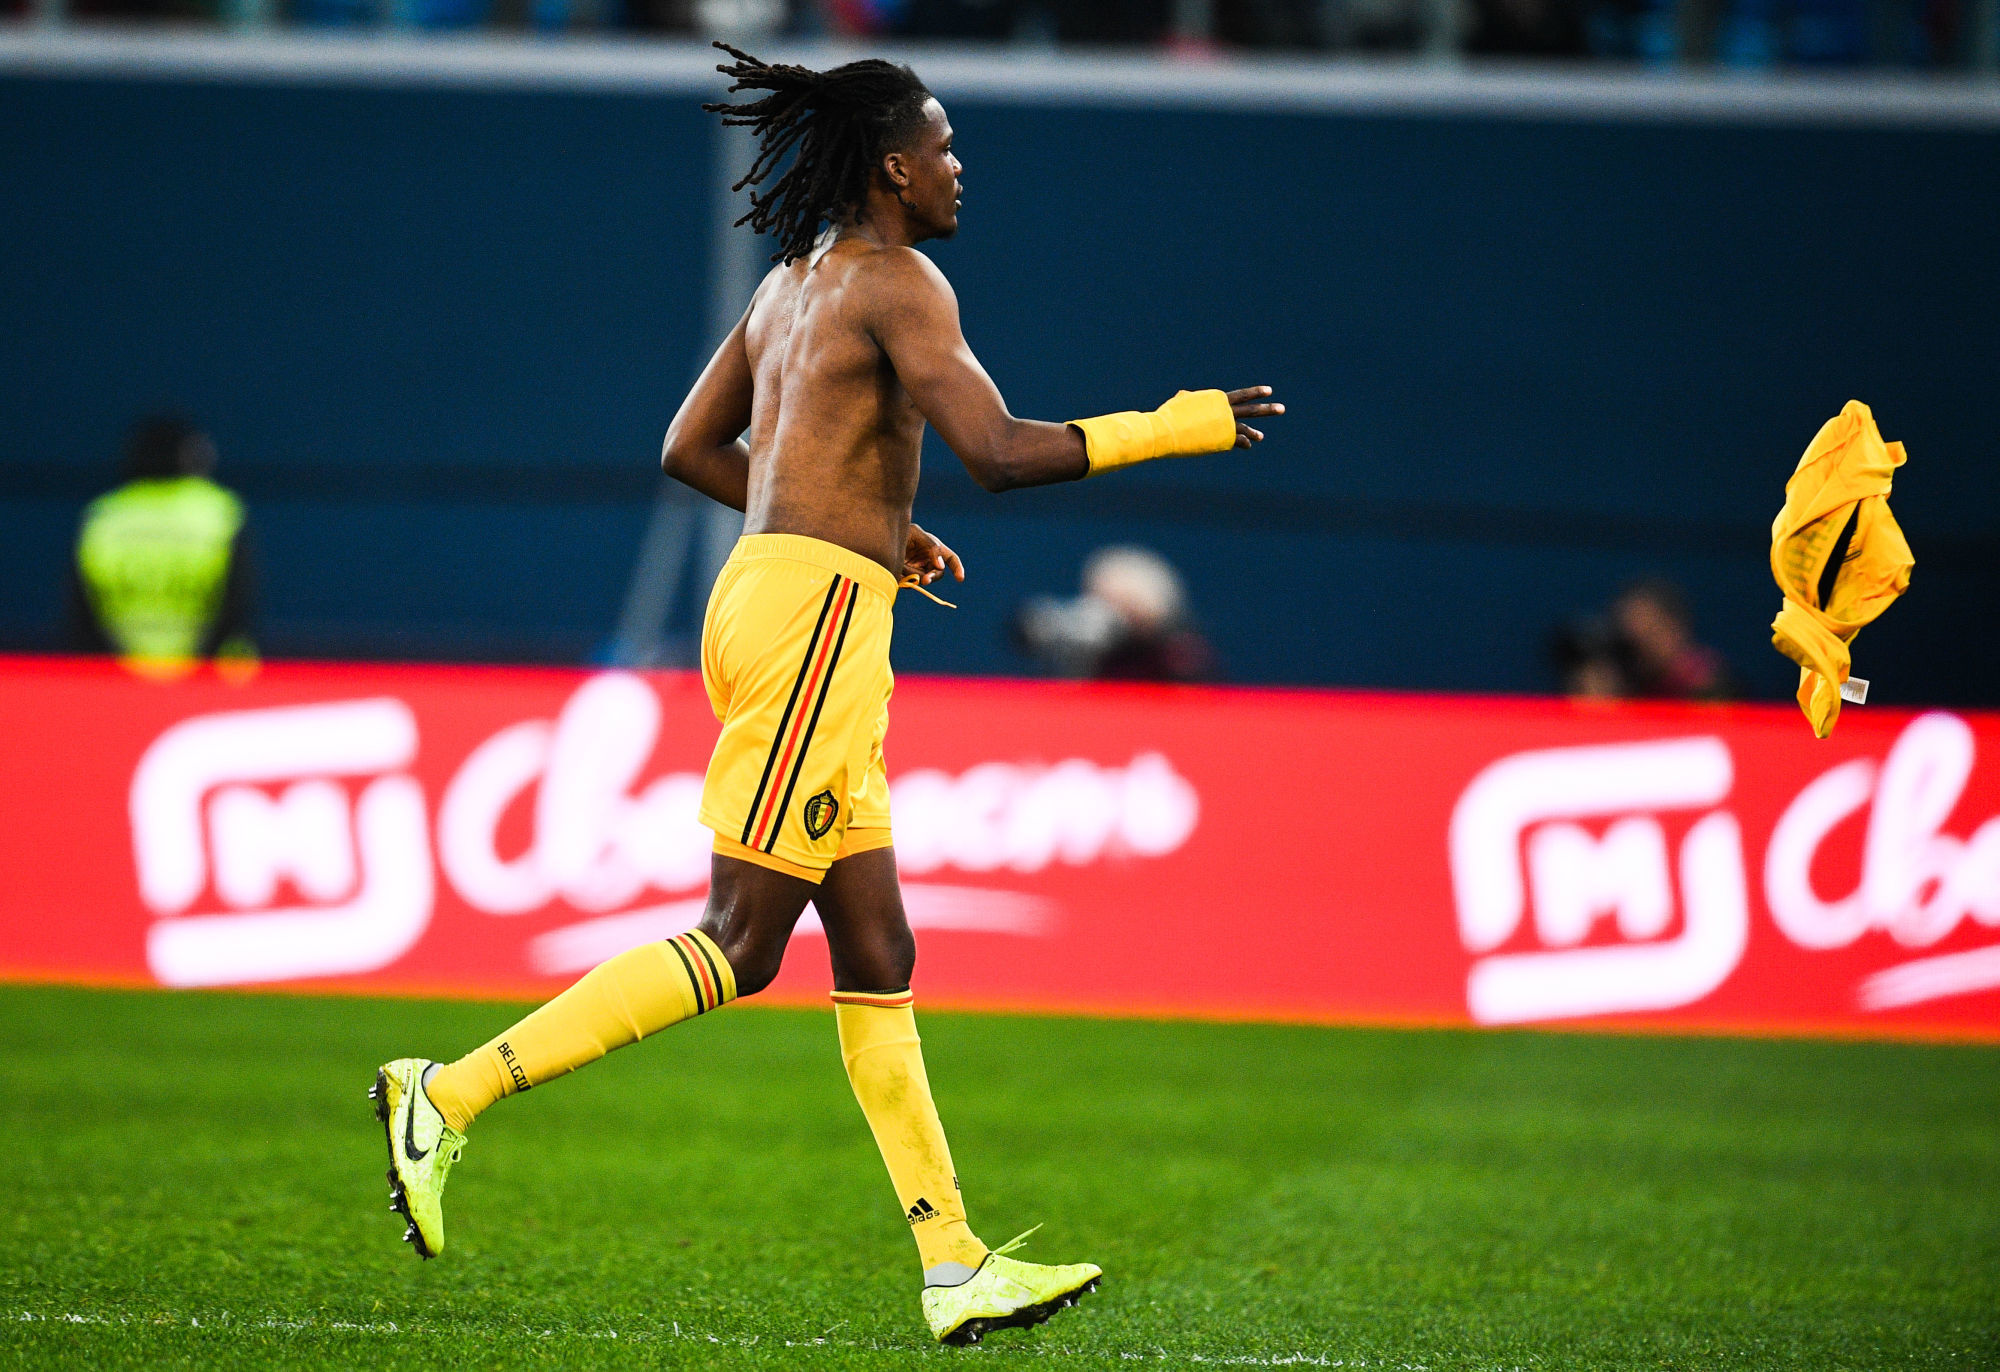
(825, 687)
(694, 978)
(798, 685)
(702, 949)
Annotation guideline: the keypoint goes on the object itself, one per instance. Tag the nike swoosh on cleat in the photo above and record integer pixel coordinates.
(410, 1148)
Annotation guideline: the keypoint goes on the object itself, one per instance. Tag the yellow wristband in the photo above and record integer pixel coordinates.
(1193, 422)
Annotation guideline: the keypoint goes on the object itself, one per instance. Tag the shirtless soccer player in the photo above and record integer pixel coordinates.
(809, 419)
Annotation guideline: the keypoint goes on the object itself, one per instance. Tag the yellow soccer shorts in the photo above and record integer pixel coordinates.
(795, 656)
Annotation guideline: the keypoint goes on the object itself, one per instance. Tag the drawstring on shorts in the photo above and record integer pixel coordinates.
(915, 583)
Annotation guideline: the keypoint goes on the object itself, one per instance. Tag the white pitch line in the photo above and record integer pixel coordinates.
(226, 1319)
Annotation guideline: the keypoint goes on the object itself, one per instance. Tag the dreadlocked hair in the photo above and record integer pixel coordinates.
(838, 124)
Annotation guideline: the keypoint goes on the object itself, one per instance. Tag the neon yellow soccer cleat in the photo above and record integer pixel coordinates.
(1005, 1294)
(422, 1148)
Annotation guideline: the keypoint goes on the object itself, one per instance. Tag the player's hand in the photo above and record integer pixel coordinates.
(926, 558)
(1250, 403)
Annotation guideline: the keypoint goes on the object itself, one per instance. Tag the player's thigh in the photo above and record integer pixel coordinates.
(868, 935)
(751, 913)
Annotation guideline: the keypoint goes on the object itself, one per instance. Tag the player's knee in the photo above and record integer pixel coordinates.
(754, 950)
(886, 961)
(754, 962)
(901, 955)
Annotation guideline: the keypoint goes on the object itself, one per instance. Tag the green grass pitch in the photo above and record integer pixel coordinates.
(196, 1180)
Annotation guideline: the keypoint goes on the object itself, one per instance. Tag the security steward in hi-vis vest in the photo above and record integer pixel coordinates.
(162, 575)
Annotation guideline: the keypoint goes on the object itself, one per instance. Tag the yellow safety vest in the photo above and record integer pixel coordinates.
(154, 559)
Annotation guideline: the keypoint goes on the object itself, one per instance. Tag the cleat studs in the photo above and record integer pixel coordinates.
(410, 1234)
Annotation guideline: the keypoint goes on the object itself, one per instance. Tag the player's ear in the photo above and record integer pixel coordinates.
(892, 167)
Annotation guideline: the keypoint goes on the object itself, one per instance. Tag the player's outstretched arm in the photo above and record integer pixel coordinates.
(916, 322)
(704, 446)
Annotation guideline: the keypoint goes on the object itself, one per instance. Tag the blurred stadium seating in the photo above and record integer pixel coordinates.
(1741, 33)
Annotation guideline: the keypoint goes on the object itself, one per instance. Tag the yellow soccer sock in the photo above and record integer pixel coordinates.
(620, 1001)
(885, 1064)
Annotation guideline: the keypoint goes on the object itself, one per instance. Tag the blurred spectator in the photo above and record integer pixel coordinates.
(1642, 646)
(1527, 28)
(860, 18)
(1650, 31)
(661, 16)
(163, 574)
(173, 10)
(1112, 21)
(1130, 624)
(1663, 658)
(980, 19)
(401, 14)
(1585, 655)
(1280, 23)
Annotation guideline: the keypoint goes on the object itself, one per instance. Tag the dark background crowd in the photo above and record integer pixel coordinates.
(1739, 33)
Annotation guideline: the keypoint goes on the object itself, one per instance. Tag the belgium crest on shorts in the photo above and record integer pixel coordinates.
(820, 813)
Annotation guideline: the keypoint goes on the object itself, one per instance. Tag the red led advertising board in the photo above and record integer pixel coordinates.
(1178, 851)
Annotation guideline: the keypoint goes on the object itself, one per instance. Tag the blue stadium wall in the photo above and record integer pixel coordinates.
(438, 331)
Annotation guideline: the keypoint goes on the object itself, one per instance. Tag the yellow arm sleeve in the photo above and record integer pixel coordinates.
(1192, 422)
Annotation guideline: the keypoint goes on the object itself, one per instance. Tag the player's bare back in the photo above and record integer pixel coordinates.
(835, 439)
